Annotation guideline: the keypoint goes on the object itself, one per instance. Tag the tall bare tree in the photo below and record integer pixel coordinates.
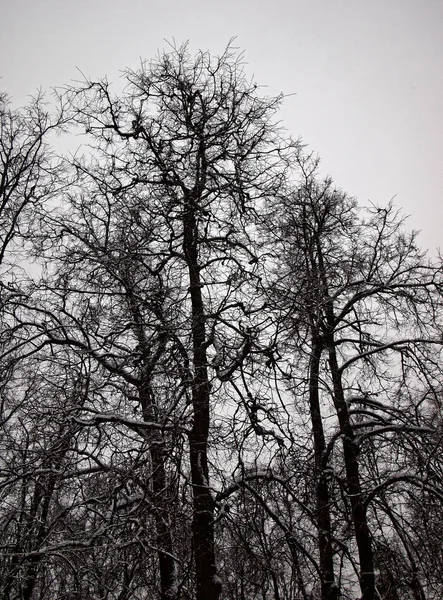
(362, 300)
(155, 252)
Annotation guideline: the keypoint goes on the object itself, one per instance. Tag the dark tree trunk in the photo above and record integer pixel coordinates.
(44, 493)
(329, 589)
(350, 447)
(167, 567)
(358, 505)
(208, 584)
(164, 541)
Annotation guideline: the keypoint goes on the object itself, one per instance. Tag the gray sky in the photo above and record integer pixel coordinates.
(367, 75)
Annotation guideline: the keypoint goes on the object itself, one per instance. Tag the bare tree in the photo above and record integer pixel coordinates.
(29, 176)
(151, 258)
(28, 170)
(358, 292)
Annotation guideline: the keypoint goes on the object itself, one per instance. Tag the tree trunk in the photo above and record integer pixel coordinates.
(208, 584)
(164, 541)
(329, 589)
(167, 566)
(350, 452)
(350, 448)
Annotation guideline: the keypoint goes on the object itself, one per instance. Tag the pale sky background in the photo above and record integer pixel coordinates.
(367, 75)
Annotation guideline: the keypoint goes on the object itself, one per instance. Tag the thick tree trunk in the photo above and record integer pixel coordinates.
(350, 447)
(329, 589)
(164, 541)
(167, 566)
(44, 493)
(350, 452)
(208, 584)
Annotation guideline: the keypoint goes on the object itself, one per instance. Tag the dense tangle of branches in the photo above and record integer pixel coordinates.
(221, 376)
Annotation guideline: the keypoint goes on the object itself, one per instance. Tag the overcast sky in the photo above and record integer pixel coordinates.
(367, 75)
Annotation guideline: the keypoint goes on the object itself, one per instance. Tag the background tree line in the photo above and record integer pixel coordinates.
(221, 376)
